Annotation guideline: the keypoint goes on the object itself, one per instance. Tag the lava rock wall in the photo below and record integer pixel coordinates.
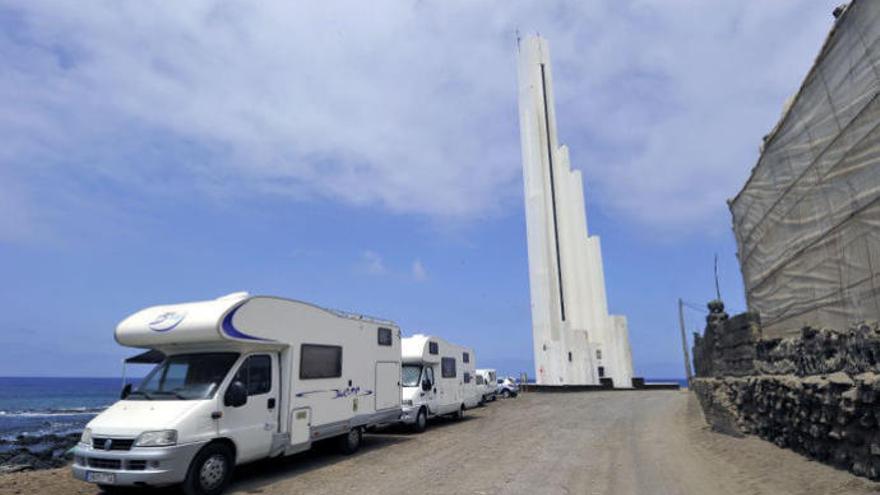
(817, 394)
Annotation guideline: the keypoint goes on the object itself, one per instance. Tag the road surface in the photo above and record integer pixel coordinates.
(619, 443)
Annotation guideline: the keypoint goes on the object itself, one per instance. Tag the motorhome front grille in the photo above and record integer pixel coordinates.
(136, 465)
(105, 463)
(112, 443)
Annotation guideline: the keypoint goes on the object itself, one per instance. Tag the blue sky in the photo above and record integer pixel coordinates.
(366, 157)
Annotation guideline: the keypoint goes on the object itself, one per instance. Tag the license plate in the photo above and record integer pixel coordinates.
(104, 478)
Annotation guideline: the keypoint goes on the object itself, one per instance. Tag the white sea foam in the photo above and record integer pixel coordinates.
(49, 413)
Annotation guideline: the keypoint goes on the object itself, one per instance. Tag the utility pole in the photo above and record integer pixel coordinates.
(684, 343)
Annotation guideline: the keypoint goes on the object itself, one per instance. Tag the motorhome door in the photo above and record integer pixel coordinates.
(431, 393)
(387, 386)
(252, 425)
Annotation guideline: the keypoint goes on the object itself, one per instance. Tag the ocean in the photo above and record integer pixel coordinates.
(43, 406)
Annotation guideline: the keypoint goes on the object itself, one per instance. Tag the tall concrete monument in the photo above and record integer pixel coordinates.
(576, 341)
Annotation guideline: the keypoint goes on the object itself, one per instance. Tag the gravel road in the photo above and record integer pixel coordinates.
(584, 443)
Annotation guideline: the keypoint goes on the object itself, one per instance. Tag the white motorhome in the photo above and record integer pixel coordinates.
(243, 378)
(437, 379)
(488, 386)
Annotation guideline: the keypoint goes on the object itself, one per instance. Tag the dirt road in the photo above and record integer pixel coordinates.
(582, 443)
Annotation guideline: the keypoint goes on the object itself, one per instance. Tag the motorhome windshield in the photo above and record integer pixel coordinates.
(185, 377)
(410, 374)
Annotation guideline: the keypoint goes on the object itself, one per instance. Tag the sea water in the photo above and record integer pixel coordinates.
(44, 406)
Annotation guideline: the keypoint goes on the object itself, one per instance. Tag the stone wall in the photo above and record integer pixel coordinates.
(728, 347)
(817, 394)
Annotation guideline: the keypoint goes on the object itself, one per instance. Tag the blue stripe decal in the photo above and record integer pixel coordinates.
(337, 393)
(231, 331)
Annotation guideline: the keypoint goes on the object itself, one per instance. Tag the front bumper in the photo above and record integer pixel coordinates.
(140, 466)
(409, 414)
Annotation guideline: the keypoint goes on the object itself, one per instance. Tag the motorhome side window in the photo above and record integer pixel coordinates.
(256, 374)
(447, 367)
(384, 336)
(465, 357)
(433, 348)
(429, 375)
(467, 377)
(320, 361)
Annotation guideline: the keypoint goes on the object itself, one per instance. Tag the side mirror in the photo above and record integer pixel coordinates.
(126, 391)
(236, 395)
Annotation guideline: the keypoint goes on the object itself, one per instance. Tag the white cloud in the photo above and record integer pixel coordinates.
(371, 263)
(419, 273)
(409, 107)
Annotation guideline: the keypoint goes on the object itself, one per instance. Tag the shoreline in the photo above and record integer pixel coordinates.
(36, 452)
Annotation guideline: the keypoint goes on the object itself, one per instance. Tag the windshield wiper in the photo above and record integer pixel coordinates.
(171, 392)
(141, 392)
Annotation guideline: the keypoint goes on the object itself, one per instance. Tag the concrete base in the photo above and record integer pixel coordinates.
(531, 387)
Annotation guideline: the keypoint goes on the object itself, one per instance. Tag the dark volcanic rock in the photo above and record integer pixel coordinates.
(37, 452)
(816, 394)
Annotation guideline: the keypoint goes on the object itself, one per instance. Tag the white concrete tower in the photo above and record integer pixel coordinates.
(576, 341)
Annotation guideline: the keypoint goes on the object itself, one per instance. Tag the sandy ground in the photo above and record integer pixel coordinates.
(580, 443)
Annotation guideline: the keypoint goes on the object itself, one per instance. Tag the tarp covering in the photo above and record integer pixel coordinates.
(807, 222)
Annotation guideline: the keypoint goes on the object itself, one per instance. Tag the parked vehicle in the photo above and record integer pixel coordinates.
(437, 380)
(242, 378)
(489, 384)
(507, 387)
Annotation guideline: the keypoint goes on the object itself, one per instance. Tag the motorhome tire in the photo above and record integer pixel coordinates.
(506, 393)
(210, 471)
(460, 414)
(351, 442)
(421, 421)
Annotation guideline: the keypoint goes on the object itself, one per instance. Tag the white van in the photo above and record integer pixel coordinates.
(488, 386)
(437, 379)
(243, 378)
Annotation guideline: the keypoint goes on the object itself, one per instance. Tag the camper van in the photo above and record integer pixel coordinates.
(437, 379)
(488, 387)
(241, 378)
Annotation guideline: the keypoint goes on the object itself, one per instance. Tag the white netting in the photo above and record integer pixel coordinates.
(807, 222)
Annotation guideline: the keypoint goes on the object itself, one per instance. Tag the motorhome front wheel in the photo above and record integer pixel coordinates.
(210, 471)
(421, 421)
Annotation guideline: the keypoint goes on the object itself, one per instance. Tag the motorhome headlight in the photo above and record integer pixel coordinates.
(162, 438)
(407, 402)
(86, 436)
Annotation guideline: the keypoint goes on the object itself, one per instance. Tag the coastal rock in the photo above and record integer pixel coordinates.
(19, 462)
(32, 452)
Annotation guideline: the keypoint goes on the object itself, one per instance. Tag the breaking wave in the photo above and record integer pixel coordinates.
(49, 413)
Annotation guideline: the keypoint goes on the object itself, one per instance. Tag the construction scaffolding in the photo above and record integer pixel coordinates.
(807, 222)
